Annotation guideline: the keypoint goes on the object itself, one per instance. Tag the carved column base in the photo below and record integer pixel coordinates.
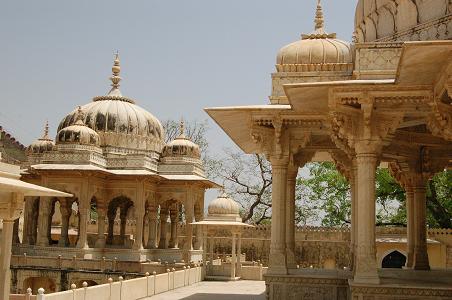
(277, 263)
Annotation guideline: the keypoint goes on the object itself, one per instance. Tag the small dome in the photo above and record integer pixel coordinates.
(223, 205)
(317, 51)
(181, 147)
(119, 121)
(42, 144)
(78, 133)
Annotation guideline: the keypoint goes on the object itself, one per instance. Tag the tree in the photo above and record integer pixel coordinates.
(247, 179)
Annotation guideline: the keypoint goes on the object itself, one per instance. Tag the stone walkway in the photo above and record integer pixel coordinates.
(216, 290)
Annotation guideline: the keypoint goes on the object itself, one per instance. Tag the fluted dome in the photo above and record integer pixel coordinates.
(317, 51)
(42, 144)
(181, 147)
(118, 121)
(78, 133)
(223, 205)
(395, 20)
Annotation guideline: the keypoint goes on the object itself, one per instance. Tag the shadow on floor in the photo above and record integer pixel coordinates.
(209, 296)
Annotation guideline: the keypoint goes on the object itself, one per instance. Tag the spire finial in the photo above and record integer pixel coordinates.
(80, 118)
(116, 69)
(46, 130)
(319, 20)
(181, 128)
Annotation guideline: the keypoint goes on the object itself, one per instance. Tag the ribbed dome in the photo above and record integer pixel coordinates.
(118, 121)
(181, 147)
(78, 133)
(317, 51)
(42, 144)
(223, 205)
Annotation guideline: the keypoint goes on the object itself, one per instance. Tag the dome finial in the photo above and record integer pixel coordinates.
(115, 78)
(46, 131)
(319, 20)
(181, 128)
(80, 117)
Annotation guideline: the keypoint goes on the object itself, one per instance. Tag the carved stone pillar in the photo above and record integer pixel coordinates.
(138, 243)
(163, 228)
(354, 214)
(233, 256)
(189, 214)
(16, 239)
(278, 260)
(198, 245)
(420, 258)
(238, 272)
(290, 217)
(101, 214)
(173, 243)
(5, 257)
(409, 200)
(28, 222)
(65, 215)
(43, 222)
(366, 264)
(83, 215)
(152, 230)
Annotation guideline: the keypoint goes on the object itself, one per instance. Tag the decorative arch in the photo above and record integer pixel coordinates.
(117, 212)
(393, 259)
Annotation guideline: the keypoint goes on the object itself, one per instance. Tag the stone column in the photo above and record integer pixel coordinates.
(420, 258)
(233, 256)
(43, 222)
(138, 243)
(354, 213)
(410, 217)
(239, 255)
(101, 214)
(290, 217)
(366, 264)
(198, 230)
(189, 213)
(28, 222)
(277, 261)
(83, 215)
(5, 258)
(123, 223)
(163, 228)
(173, 243)
(152, 231)
(65, 215)
(16, 239)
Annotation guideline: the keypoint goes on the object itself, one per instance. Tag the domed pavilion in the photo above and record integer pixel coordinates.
(383, 100)
(129, 186)
(223, 215)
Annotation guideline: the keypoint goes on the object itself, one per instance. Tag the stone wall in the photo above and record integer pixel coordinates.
(133, 289)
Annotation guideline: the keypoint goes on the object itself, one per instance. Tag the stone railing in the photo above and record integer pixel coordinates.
(133, 289)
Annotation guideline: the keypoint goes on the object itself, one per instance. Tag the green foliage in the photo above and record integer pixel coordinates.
(327, 193)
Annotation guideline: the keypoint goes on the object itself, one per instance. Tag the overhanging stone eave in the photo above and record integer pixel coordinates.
(429, 56)
(236, 121)
(313, 97)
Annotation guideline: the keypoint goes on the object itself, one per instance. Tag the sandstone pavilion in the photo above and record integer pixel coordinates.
(385, 98)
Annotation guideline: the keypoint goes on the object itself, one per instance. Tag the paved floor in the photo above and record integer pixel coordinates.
(216, 290)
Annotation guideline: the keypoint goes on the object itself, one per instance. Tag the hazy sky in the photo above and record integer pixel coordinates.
(177, 57)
